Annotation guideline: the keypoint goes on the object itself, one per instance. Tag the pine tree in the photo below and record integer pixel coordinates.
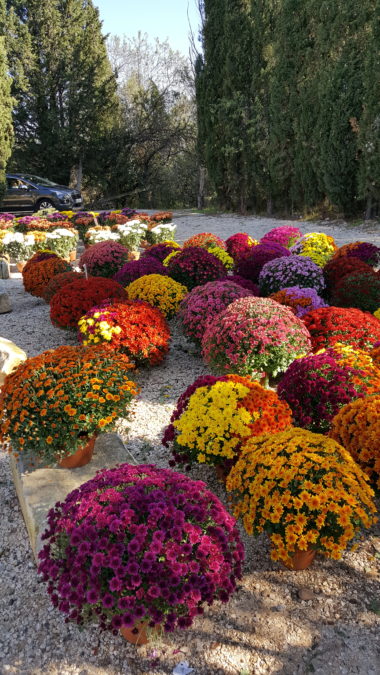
(70, 101)
(6, 103)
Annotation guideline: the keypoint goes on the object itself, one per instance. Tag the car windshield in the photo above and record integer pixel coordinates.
(37, 179)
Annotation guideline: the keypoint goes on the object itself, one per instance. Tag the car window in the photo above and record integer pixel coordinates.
(13, 183)
(40, 181)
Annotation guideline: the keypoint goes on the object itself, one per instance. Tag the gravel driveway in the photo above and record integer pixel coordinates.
(323, 620)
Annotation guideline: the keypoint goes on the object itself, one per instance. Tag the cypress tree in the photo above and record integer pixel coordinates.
(209, 84)
(288, 107)
(341, 41)
(369, 125)
(235, 109)
(264, 16)
(6, 103)
(290, 44)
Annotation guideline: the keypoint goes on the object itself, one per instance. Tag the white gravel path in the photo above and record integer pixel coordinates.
(267, 627)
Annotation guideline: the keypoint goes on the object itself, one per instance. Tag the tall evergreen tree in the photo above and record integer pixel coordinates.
(6, 103)
(369, 126)
(288, 106)
(342, 38)
(70, 102)
(290, 44)
(209, 85)
(234, 107)
(264, 17)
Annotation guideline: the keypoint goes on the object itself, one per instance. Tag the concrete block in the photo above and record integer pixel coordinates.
(40, 489)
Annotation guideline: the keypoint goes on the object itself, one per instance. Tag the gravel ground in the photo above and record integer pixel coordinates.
(323, 620)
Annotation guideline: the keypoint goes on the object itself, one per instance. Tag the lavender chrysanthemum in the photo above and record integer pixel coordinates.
(289, 271)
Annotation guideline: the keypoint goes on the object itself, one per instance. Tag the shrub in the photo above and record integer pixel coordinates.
(138, 268)
(317, 386)
(244, 283)
(223, 256)
(285, 235)
(160, 251)
(82, 222)
(328, 325)
(58, 281)
(337, 268)
(304, 490)
(160, 291)
(254, 336)
(317, 246)
(65, 382)
(133, 327)
(205, 240)
(239, 244)
(253, 262)
(204, 303)
(218, 416)
(37, 275)
(194, 266)
(290, 271)
(358, 289)
(6, 221)
(300, 300)
(73, 300)
(368, 253)
(357, 427)
(104, 259)
(158, 233)
(62, 241)
(157, 546)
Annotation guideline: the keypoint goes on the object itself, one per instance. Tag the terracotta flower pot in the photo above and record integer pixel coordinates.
(81, 457)
(221, 473)
(73, 256)
(138, 634)
(301, 560)
(133, 255)
(20, 265)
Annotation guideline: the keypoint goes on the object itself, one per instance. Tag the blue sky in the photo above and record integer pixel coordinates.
(164, 19)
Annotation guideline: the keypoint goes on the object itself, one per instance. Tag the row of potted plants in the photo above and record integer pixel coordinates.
(303, 488)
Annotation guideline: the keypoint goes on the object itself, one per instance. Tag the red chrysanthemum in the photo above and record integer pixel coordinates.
(329, 325)
(75, 299)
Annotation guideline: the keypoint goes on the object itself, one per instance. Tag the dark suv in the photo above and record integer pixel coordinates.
(26, 192)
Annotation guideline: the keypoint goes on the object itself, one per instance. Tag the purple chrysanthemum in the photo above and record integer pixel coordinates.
(138, 268)
(292, 270)
(252, 263)
(116, 583)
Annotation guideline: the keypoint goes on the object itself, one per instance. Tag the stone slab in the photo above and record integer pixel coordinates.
(5, 303)
(10, 357)
(40, 489)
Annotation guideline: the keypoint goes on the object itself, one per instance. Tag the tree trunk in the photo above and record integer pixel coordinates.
(269, 206)
(79, 175)
(201, 187)
(368, 209)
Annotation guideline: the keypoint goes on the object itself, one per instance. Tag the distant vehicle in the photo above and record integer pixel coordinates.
(26, 192)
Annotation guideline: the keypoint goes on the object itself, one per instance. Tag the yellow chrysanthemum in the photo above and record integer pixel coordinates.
(160, 291)
(320, 500)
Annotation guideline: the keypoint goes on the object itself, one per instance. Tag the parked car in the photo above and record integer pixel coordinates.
(26, 192)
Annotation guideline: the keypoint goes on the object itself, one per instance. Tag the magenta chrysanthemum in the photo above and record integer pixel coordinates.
(139, 542)
(254, 336)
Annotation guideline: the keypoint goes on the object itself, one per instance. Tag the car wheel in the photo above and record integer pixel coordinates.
(44, 204)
